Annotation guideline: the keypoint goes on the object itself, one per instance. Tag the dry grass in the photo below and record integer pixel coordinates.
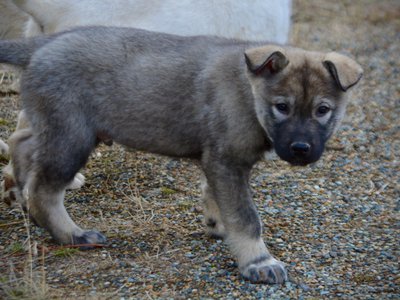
(31, 282)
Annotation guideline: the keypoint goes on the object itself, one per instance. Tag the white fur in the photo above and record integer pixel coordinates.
(328, 102)
(247, 250)
(211, 211)
(253, 20)
(77, 182)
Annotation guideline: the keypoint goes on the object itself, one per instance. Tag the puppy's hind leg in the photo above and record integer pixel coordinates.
(46, 206)
(8, 194)
(57, 159)
(23, 123)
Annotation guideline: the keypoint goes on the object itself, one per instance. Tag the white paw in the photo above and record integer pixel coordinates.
(265, 270)
(77, 182)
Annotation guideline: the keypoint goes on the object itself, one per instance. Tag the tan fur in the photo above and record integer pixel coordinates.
(292, 69)
(349, 72)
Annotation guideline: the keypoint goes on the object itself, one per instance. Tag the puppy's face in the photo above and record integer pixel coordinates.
(300, 98)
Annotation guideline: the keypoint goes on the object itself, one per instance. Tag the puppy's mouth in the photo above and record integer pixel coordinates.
(299, 160)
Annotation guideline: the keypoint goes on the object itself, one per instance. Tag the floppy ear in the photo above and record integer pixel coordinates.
(267, 60)
(345, 71)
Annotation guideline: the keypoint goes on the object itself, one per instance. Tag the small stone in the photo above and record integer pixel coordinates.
(304, 287)
(333, 254)
(324, 293)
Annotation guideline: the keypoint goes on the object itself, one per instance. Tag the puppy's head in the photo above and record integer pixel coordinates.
(299, 97)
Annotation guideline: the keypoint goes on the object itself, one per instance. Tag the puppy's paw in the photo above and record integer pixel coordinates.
(215, 228)
(89, 239)
(77, 182)
(265, 270)
(9, 192)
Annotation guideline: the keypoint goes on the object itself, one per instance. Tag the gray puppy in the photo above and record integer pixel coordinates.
(222, 101)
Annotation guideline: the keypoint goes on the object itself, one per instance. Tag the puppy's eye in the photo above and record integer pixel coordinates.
(283, 108)
(323, 110)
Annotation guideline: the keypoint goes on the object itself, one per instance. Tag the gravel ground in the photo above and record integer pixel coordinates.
(336, 223)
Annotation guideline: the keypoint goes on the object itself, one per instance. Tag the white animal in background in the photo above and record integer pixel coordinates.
(266, 20)
(13, 20)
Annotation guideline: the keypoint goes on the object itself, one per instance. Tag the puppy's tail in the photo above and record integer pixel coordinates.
(19, 52)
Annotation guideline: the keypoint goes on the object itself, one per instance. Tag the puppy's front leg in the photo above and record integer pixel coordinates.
(229, 186)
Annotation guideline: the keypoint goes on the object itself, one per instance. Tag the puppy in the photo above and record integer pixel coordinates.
(224, 102)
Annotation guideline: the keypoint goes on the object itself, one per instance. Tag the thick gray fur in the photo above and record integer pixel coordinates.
(180, 96)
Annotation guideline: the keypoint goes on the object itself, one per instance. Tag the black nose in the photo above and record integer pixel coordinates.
(300, 148)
